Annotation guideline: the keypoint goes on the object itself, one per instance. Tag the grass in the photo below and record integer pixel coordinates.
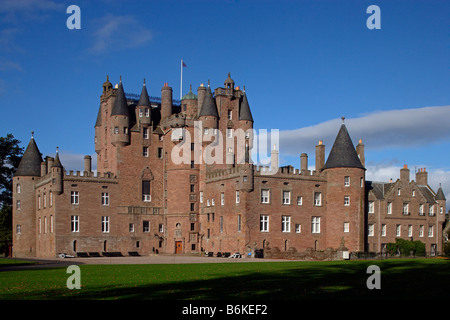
(400, 279)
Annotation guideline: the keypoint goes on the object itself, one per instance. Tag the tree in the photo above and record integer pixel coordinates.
(10, 156)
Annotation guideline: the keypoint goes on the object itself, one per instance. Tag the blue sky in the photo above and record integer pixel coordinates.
(304, 64)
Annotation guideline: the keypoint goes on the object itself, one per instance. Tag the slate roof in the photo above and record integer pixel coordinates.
(98, 122)
(144, 100)
(244, 112)
(343, 153)
(209, 107)
(30, 164)
(379, 189)
(120, 106)
(57, 161)
(440, 194)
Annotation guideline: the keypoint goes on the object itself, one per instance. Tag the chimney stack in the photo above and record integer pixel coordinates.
(166, 101)
(360, 152)
(320, 156)
(422, 177)
(404, 173)
(87, 164)
(303, 162)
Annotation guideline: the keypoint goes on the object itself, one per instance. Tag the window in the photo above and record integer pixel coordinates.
(45, 200)
(207, 203)
(45, 224)
(413, 193)
(75, 223)
(370, 230)
(398, 230)
(18, 204)
(383, 230)
(346, 181)
(299, 200)
(371, 207)
(160, 153)
(264, 196)
(145, 226)
(116, 130)
(18, 229)
(212, 202)
(264, 223)
(239, 223)
(141, 114)
(74, 197)
(346, 201)
(18, 188)
(421, 231)
(146, 197)
(222, 199)
(105, 224)
(410, 230)
(430, 231)
(192, 187)
(221, 223)
(145, 151)
(317, 198)
(399, 191)
(431, 210)
(201, 196)
(389, 208)
(51, 224)
(205, 131)
(145, 133)
(286, 224)
(229, 113)
(39, 201)
(229, 133)
(131, 227)
(421, 212)
(298, 228)
(192, 206)
(105, 199)
(346, 227)
(315, 225)
(147, 112)
(161, 228)
(51, 198)
(238, 199)
(286, 197)
(405, 209)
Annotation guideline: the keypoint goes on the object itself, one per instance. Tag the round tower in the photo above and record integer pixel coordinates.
(24, 201)
(57, 175)
(144, 107)
(345, 196)
(166, 101)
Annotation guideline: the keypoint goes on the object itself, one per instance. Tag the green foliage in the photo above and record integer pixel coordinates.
(447, 249)
(10, 155)
(406, 248)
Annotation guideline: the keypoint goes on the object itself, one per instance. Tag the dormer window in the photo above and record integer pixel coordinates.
(229, 115)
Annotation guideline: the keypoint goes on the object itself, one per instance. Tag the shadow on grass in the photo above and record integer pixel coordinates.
(403, 279)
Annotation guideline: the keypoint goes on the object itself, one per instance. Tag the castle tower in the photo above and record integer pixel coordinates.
(144, 107)
(208, 113)
(57, 174)
(120, 119)
(24, 201)
(189, 104)
(344, 221)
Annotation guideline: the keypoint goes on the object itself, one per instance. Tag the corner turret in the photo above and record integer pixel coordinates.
(144, 106)
(120, 119)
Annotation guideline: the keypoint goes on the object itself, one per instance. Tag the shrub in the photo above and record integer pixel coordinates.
(406, 247)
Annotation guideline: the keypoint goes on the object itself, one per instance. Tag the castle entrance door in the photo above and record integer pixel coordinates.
(178, 247)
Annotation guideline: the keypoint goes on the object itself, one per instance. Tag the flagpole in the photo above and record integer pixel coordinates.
(181, 82)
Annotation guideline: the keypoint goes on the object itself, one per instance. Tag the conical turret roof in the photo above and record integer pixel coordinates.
(57, 161)
(30, 164)
(440, 194)
(144, 100)
(244, 111)
(120, 106)
(343, 153)
(209, 107)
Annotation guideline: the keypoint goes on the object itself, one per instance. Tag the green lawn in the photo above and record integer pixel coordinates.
(400, 279)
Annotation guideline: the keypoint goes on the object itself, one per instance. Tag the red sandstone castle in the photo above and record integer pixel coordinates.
(143, 199)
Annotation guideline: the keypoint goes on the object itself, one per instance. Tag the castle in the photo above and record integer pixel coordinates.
(158, 190)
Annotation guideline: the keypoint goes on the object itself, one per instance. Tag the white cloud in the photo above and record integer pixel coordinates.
(118, 33)
(385, 129)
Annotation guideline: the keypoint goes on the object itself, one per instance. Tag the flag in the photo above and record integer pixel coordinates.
(184, 64)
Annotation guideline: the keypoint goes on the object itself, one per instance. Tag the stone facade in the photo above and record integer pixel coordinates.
(161, 185)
